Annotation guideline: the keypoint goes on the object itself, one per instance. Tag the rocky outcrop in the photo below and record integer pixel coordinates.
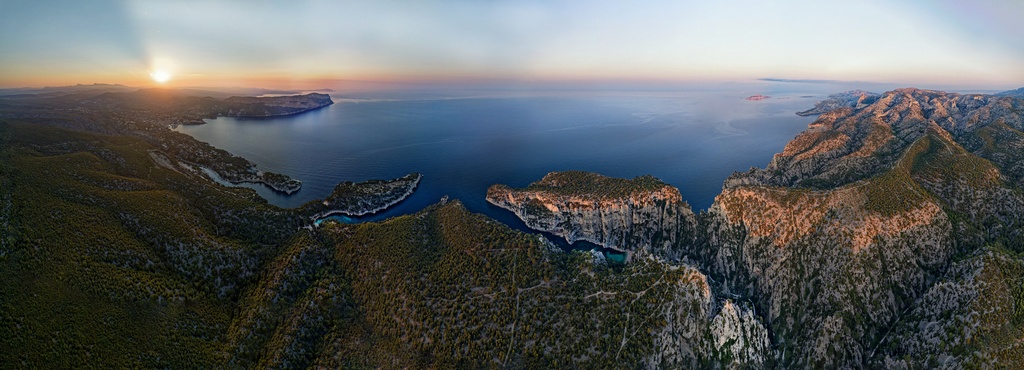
(738, 339)
(625, 215)
(694, 334)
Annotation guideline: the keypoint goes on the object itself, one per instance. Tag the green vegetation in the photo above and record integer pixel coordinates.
(582, 183)
(1001, 144)
(894, 191)
(107, 265)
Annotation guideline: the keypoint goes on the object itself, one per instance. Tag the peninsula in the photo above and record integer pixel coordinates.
(248, 106)
(364, 198)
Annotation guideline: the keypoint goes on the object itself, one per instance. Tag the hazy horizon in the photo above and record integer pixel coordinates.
(452, 89)
(312, 44)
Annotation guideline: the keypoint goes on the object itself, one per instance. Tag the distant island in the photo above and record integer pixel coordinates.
(758, 97)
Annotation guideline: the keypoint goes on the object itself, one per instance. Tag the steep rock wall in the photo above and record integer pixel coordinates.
(655, 218)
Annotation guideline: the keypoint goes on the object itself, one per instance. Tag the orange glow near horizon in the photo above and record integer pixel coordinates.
(372, 81)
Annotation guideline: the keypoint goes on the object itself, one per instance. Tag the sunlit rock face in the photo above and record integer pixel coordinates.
(626, 215)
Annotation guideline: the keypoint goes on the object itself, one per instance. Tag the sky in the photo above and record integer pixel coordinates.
(310, 44)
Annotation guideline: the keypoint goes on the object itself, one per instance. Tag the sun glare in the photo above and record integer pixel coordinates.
(160, 76)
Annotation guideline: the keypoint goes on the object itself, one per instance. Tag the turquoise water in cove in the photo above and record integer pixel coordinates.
(463, 142)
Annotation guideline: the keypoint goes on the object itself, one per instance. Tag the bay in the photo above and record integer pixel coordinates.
(464, 142)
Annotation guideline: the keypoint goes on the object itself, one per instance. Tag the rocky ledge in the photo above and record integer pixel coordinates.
(364, 198)
(621, 214)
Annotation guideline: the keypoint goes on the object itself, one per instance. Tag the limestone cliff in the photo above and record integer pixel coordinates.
(626, 215)
(699, 328)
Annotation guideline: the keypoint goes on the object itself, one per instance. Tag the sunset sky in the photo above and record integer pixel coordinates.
(324, 43)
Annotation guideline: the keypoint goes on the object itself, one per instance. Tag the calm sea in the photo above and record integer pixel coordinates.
(462, 144)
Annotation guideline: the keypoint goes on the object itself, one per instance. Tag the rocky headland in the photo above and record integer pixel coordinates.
(363, 198)
(626, 215)
(247, 106)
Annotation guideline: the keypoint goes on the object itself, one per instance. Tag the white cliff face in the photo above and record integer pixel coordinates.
(656, 220)
(739, 338)
(693, 334)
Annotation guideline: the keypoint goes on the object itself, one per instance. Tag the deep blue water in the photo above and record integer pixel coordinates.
(462, 145)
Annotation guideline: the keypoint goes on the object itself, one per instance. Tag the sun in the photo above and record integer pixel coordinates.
(160, 76)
